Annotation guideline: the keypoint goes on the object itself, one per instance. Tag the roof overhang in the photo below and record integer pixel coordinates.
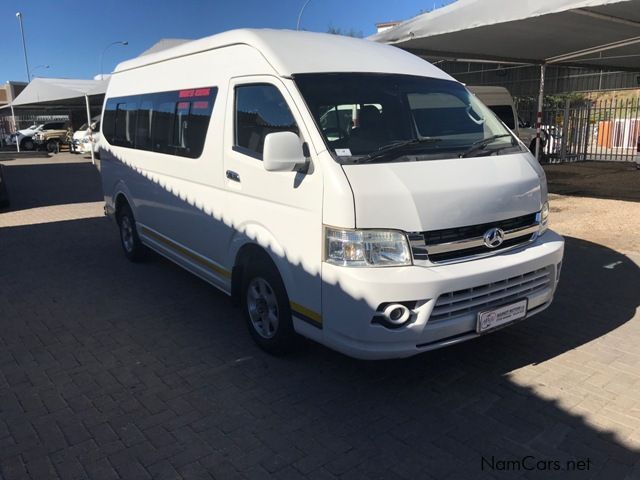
(602, 34)
(58, 93)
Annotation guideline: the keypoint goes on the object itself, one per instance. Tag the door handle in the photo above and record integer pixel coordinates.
(231, 175)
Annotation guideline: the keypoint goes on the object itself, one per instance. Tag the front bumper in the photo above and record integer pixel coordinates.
(351, 297)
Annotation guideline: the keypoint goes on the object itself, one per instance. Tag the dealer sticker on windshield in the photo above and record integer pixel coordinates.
(490, 319)
(343, 152)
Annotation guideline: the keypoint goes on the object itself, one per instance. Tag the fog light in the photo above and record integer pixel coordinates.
(392, 315)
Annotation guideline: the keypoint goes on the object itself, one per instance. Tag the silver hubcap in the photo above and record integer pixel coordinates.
(263, 307)
(126, 230)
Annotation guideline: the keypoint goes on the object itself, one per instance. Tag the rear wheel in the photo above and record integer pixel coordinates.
(52, 146)
(266, 308)
(129, 239)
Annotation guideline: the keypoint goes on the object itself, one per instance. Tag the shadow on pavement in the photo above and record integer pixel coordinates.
(163, 362)
(41, 185)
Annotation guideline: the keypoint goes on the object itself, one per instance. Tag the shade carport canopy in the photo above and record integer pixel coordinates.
(59, 92)
(591, 33)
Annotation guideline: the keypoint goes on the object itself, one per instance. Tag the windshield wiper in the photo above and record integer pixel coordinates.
(398, 146)
(483, 143)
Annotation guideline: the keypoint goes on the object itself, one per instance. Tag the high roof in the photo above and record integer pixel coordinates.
(291, 52)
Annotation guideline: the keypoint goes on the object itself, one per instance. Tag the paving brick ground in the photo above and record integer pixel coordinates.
(112, 370)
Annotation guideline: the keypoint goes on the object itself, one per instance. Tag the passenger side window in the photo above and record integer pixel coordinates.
(260, 110)
(125, 124)
(143, 125)
(174, 122)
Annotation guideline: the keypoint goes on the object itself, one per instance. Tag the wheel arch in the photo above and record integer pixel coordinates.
(244, 250)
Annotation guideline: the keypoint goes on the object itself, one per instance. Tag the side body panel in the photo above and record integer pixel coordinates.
(179, 203)
(281, 211)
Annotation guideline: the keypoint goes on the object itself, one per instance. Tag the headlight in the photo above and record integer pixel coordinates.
(544, 218)
(366, 248)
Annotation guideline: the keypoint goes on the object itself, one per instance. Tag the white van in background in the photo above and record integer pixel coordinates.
(421, 225)
(500, 101)
(85, 139)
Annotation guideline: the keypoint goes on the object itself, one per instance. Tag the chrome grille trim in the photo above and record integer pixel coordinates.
(475, 299)
(478, 241)
(424, 253)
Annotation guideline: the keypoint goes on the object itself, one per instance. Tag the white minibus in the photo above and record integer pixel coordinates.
(413, 220)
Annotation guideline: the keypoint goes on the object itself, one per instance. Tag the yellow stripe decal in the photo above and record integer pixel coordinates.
(183, 251)
(304, 311)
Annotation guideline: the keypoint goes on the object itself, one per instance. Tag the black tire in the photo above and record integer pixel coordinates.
(133, 248)
(27, 144)
(52, 146)
(280, 339)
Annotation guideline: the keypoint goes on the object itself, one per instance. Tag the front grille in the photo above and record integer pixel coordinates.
(473, 300)
(462, 233)
(469, 252)
(452, 244)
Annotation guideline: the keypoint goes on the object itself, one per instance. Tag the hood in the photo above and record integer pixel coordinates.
(437, 194)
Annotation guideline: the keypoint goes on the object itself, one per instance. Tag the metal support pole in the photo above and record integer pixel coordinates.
(540, 105)
(565, 129)
(24, 45)
(15, 127)
(86, 100)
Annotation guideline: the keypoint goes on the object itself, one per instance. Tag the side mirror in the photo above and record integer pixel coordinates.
(282, 152)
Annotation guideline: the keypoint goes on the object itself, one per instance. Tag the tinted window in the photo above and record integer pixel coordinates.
(260, 110)
(173, 122)
(143, 125)
(504, 113)
(125, 124)
(54, 126)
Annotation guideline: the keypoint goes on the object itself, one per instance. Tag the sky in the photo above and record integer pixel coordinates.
(70, 35)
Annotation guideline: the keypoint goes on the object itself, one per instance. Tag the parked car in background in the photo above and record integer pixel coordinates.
(85, 138)
(25, 137)
(51, 136)
(4, 192)
(500, 101)
(421, 223)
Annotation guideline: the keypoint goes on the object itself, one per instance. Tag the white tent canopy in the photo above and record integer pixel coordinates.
(600, 33)
(60, 91)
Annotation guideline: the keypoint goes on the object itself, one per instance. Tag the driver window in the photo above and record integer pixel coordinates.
(260, 110)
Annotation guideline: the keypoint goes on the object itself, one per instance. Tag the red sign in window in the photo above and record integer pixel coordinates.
(186, 93)
(202, 92)
(202, 105)
(183, 106)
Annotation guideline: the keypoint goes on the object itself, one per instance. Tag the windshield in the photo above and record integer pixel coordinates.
(360, 114)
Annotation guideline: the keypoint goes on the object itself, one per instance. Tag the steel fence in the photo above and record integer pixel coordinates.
(583, 129)
(24, 120)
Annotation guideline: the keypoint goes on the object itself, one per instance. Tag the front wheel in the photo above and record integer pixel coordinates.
(266, 309)
(27, 144)
(129, 239)
(52, 146)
